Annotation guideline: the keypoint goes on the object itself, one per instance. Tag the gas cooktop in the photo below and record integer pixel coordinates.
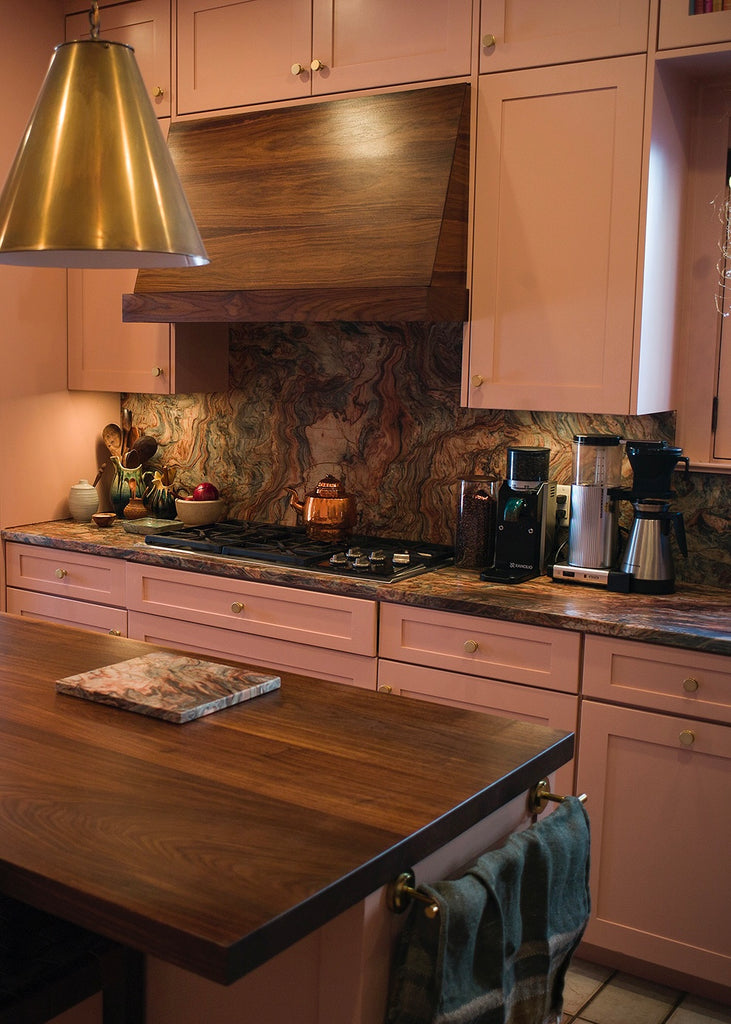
(362, 557)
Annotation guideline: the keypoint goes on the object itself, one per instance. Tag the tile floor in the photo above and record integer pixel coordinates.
(598, 995)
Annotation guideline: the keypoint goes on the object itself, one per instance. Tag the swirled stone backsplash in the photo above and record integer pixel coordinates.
(378, 406)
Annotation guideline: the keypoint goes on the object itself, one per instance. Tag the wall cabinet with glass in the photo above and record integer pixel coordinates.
(680, 28)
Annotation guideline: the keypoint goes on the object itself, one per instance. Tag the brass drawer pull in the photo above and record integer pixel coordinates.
(237, 607)
(60, 573)
(690, 685)
(470, 646)
(687, 737)
(385, 688)
(115, 632)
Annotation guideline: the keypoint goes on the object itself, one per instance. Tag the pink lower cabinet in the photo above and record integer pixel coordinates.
(658, 774)
(283, 628)
(502, 668)
(67, 587)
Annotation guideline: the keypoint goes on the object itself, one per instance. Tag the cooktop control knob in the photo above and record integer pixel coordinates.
(377, 555)
(401, 558)
(339, 558)
(353, 553)
(361, 562)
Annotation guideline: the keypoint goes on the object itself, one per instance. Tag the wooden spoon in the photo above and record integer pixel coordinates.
(143, 450)
(112, 438)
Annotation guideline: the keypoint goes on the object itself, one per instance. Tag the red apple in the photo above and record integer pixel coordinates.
(205, 492)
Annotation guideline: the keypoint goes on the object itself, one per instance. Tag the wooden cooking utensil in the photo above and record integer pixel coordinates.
(142, 451)
(112, 438)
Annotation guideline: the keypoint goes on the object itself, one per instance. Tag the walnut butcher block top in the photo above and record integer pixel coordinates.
(218, 843)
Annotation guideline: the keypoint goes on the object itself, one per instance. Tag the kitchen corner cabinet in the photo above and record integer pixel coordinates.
(66, 587)
(556, 238)
(145, 26)
(502, 668)
(280, 628)
(105, 354)
(655, 757)
(524, 33)
(679, 28)
(232, 54)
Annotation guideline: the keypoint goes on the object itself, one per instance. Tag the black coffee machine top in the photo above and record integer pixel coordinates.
(653, 463)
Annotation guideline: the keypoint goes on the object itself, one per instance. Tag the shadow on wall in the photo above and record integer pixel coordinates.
(378, 406)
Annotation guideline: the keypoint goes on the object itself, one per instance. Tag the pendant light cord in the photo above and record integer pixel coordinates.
(94, 19)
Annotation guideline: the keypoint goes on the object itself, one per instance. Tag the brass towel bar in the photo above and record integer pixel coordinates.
(400, 893)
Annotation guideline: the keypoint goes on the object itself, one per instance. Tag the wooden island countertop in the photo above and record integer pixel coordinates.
(216, 844)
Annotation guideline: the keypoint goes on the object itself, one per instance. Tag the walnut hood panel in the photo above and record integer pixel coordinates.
(353, 209)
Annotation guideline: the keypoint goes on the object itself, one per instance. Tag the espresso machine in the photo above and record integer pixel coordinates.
(526, 518)
(593, 541)
(647, 558)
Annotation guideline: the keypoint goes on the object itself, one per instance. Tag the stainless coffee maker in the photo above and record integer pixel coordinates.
(648, 558)
(526, 517)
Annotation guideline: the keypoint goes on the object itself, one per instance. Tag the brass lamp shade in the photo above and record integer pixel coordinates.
(93, 183)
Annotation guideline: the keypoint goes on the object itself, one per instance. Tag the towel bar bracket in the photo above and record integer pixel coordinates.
(540, 795)
(400, 893)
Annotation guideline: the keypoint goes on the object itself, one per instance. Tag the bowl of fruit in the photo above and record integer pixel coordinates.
(200, 508)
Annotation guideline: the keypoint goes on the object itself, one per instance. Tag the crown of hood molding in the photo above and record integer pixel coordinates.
(352, 209)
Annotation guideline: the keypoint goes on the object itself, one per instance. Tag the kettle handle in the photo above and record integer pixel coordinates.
(679, 527)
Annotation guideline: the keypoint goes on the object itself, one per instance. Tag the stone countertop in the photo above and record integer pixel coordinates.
(695, 617)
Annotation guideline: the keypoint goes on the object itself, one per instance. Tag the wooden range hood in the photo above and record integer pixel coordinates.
(353, 209)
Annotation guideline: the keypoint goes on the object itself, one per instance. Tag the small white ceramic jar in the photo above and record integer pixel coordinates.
(83, 501)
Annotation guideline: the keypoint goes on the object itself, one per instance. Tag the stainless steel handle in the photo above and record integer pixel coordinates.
(60, 573)
(237, 607)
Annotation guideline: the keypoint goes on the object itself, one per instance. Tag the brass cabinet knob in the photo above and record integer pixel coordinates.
(115, 632)
(237, 607)
(690, 685)
(385, 688)
(297, 69)
(477, 380)
(488, 41)
(157, 371)
(60, 573)
(317, 65)
(158, 91)
(470, 646)
(687, 737)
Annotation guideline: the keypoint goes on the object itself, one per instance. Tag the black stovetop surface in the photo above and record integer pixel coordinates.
(360, 556)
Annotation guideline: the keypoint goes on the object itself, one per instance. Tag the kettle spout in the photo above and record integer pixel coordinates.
(298, 506)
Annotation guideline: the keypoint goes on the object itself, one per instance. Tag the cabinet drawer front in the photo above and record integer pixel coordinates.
(660, 678)
(529, 704)
(97, 617)
(283, 613)
(66, 573)
(263, 652)
(482, 647)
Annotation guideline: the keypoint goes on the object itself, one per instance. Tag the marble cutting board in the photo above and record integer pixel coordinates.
(169, 686)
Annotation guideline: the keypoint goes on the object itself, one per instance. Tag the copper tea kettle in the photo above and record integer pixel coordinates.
(328, 512)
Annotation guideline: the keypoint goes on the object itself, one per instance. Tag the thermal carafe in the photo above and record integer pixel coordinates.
(648, 557)
(593, 529)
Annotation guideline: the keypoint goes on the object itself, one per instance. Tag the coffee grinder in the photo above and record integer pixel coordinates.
(647, 558)
(593, 542)
(526, 518)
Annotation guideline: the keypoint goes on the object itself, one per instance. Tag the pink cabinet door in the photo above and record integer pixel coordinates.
(658, 790)
(680, 28)
(557, 209)
(507, 700)
(385, 43)
(237, 52)
(529, 33)
(145, 26)
(97, 617)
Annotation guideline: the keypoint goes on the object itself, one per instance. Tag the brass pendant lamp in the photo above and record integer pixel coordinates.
(93, 183)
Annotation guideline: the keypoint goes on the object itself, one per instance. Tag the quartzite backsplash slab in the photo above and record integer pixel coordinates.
(378, 406)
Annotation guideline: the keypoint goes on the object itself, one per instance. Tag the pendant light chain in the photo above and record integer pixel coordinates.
(94, 19)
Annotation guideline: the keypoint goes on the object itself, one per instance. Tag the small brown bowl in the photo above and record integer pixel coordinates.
(102, 519)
